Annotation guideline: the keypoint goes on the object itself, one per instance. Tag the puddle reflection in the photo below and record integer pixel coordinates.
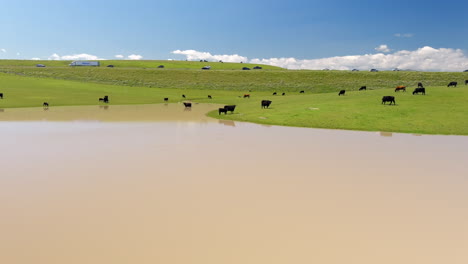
(386, 134)
(227, 122)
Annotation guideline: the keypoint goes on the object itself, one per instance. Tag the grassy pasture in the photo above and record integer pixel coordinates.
(279, 80)
(441, 111)
(139, 64)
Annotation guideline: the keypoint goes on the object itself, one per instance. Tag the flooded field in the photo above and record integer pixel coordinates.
(174, 186)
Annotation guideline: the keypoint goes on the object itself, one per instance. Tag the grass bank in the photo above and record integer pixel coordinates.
(278, 80)
(441, 111)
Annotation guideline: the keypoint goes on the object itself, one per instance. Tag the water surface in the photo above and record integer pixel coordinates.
(199, 190)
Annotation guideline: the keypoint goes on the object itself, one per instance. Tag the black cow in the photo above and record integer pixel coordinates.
(106, 99)
(187, 105)
(301, 91)
(183, 96)
(388, 99)
(166, 99)
(420, 85)
(266, 103)
(466, 82)
(45, 104)
(419, 90)
(283, 94)
(1, 95)
(161, 66)
(452, 84)
(246, 95)
(223, 110)
(363, 88)
(209, 96)
(230, 108)
(274, 93)
(342, 92)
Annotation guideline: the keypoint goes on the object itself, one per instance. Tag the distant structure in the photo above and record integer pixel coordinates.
(85, 63)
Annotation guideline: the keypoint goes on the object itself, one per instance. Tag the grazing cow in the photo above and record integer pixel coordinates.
(452, 84)
(283, 94)
(230, 108)
(301, 91)
(388, 99)
(183, 96)
(266, 103)
(223, 110)
(246, 95)
(419, 90)
(342, 92)
(466, 82)
(1, 95)
(166, 99)
(400, 88)
(209, 97)
(420, 85)
(363, 88)
(187, 105)
(274, 93)
(45, 104)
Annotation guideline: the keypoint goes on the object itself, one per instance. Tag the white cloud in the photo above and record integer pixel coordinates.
(3, 50)
(82, 56)
(134, 57)
(422, 59)
(199, 55)
(383, 48)
(17, 54)
(35, 58)
(406, 35)
(119, 56)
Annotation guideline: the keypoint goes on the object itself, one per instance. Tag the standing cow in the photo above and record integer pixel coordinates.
(400, 88)
(363, 88)
(342, 92)
(420, 85)
(419, 90)
(1, 95)
(388, 99)
(452, 84)
(266, 103)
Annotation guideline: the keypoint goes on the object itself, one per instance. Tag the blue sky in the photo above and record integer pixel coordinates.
(303, 30)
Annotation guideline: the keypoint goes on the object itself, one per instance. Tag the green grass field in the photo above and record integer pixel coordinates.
(441, 111)
(148, 64)
(235, 79)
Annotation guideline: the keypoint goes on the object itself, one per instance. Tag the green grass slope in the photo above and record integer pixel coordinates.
(168, 64)
(238, 80)
(441, 111)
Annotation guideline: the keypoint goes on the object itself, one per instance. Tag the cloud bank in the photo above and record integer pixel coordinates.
(82, 56)
(422, 59)
(134, 57)
(199, 55)
(383, 48)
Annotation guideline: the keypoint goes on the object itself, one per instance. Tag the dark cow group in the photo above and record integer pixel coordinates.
(104, 99)
(227, 108)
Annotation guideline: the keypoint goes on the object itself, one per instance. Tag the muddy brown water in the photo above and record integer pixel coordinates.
(190, 189)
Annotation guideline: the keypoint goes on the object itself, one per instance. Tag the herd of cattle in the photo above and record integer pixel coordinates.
(266, 103)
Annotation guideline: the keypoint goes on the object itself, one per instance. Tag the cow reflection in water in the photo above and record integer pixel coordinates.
(2, 110)
(104, 107)
(227, 122)
(386, 134)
